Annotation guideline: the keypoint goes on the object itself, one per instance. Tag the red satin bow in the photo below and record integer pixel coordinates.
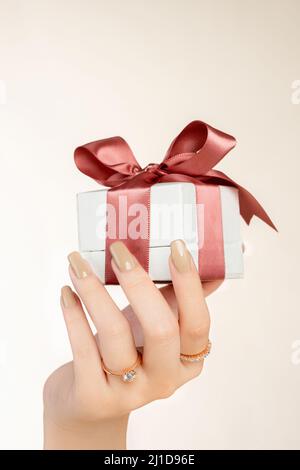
(190, 158)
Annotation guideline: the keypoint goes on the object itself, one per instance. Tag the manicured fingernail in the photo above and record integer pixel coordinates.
(122, 256)
(180, 256)
(67, 297)
(79, 265)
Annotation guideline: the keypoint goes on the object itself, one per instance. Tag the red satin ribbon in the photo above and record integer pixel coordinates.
(211, 260)
(190, 158)
(140, 247)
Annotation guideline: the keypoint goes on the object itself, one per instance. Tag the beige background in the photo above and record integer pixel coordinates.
(74, 71)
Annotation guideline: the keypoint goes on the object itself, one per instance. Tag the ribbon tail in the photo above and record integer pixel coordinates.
(249, 207)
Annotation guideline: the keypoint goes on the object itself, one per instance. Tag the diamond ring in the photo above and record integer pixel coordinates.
(128, 374)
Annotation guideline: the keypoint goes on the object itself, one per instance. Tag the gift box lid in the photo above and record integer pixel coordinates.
(172, 215)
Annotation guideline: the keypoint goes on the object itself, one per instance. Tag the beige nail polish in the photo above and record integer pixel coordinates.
(122, 256)
(180, 256)
(79, 265)
(67, 297)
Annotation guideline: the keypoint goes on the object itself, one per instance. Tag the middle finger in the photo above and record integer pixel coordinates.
(160, 327)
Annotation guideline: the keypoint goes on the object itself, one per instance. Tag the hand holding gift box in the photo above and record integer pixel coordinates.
(182, 197)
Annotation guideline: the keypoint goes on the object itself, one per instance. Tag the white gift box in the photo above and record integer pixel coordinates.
(173, 215)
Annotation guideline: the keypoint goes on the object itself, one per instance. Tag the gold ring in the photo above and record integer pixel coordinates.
(128, 374)
(197, 357)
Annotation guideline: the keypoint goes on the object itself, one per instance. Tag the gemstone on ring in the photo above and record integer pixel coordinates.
(129, 376)
(197, 357)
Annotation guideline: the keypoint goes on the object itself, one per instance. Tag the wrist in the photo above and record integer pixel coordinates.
(107, 434)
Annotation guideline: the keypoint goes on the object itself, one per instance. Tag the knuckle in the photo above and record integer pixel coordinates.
(87, 293)
(90, 285)
(117, 329)
(137, 278)
(165, 333)
(198, 331)
(82, 352)
(73, 318)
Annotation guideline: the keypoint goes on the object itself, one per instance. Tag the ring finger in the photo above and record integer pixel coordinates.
(116, 342)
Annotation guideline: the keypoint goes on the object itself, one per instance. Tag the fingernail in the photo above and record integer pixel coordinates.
(79, 265)
(122, 256)
(67, 297)
(180, 256)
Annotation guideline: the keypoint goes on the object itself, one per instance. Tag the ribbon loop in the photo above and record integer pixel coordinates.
(198, 148)
(108, 161)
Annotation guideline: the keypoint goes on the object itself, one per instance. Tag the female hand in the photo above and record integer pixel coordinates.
(85, 407)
